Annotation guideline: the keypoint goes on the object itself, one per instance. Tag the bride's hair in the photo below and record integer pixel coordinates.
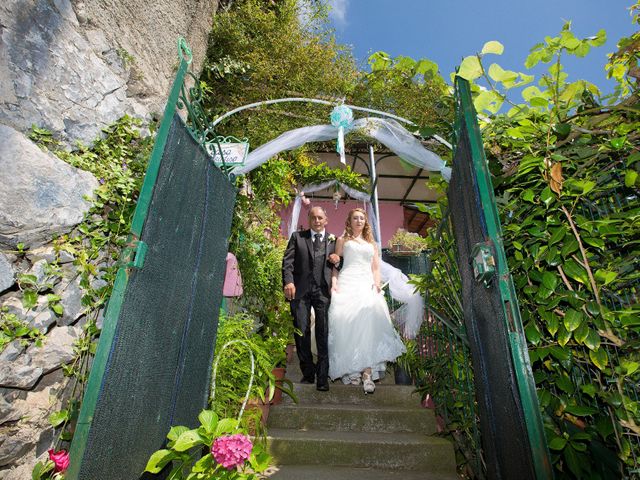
(367, 234)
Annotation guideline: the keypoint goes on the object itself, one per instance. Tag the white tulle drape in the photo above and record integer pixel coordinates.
(397, 139)
(409, 316)
(388, 132)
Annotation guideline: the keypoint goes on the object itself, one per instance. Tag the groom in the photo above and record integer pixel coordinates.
(306, 276)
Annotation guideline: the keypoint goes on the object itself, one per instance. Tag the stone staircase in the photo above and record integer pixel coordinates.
(344, 434)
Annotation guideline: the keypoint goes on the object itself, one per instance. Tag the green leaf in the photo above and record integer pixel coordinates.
(470, 68)
(58, 418)
(564, 335)
(569, 247)
(630, 367)
(605, 277)
(532, 333)
(630, 178)
(564, 383)
(573, 461)
(550, 280)
(159, 460)
(187, 440)
(589, 389)
(592, 341)
(494, 47)
(557, 234)
(528, 195)
(226, 425)
(563, 130)
(57, 308)
(202, 465)
(580, 410)
(209, 420)
(599, 357)
(25, 279)
(175, 432)
(552, 324)
(29, 299)
(575, 271)
(581, 333)
(618, 143)
(572, 319)
(594, 242)
(497, 73)
(557, 443)
(488, 100)
(599, 39)
(547, 196)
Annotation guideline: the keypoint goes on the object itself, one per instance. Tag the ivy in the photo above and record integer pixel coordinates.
(565, 165)
(118, 160)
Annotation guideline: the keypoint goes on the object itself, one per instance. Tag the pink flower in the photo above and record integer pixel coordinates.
(231, 451)
(60, 459)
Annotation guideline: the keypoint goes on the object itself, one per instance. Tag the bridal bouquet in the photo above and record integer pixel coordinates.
(230, 453)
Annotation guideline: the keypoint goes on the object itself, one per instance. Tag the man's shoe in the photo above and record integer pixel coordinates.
(307, 380)
(322, 387)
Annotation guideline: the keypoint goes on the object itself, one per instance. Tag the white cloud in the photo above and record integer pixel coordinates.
(338, 12)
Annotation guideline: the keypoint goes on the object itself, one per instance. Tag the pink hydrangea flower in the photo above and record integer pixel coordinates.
(60, 459)
(231, 450)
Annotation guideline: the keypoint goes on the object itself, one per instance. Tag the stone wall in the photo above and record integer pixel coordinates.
(74, 68)
(71, 67)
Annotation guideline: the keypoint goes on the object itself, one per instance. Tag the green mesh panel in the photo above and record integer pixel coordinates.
(407, 264)
(158, 369)
(504, 435)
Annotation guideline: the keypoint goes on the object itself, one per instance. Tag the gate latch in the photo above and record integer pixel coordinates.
(138, 252)
(483, 262)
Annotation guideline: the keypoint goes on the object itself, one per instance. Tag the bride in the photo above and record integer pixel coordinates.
(361, 335)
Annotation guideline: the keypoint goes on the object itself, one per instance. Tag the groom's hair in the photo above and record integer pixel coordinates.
(317, 206)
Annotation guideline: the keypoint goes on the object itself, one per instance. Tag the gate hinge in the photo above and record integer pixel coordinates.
(483, 262)
(139, 252)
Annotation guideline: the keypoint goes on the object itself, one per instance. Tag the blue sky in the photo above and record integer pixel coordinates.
(445, 31)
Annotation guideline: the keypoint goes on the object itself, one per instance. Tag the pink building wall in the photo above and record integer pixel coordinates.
(391, 217)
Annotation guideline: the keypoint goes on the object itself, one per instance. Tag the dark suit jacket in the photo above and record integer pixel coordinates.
(298, 260)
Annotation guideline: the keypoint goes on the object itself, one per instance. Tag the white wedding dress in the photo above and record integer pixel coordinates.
(361, 334)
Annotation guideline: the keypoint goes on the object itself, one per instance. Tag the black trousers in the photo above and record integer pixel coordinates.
(318, 298)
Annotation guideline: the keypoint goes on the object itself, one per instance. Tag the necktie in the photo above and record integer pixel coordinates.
(316, 241)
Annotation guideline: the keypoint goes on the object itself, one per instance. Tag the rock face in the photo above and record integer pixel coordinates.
(76, 68)
(7, 273)
(71, 68)
(40, 195)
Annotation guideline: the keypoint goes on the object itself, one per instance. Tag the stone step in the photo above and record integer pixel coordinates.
(352, 418)
(295, 374)
(406, 451)
(324, 472)
(385, 395)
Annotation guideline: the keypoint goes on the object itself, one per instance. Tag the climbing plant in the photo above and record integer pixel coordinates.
(565, 163)
(118, 160)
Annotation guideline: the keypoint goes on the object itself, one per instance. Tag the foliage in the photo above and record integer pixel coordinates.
(118, 160)
(234, 367)
(566, 180)
(185, 446)
(413, 89)
(260, 51)
(623, 64)
(12, 328)
(407, 242)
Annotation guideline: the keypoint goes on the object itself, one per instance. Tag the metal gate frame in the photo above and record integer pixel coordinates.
(133, 255)
(466, 118)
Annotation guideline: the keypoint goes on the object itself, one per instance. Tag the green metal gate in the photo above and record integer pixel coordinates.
(513, 440)
(152, 365)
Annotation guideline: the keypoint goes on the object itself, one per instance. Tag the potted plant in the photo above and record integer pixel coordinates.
(407, 243)
(408, 365)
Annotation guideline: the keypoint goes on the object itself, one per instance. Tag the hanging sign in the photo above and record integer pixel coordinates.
(234, 151)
